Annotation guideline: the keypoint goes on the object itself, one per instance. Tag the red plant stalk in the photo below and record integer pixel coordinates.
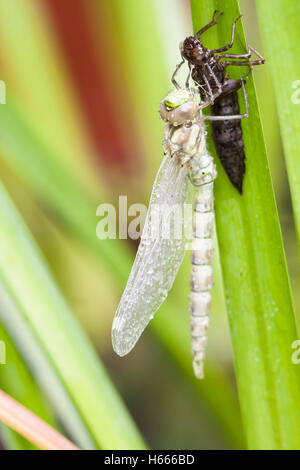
(26, 423)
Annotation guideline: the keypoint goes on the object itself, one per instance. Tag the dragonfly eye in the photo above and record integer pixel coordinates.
(172, 104)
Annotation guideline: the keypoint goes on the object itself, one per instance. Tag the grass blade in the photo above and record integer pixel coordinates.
(36, 163)
(27, 280)
(44, 373)
(255, 276)
(17, 382)
(279, 22)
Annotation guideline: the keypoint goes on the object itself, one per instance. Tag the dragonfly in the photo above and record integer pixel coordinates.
(186, 163)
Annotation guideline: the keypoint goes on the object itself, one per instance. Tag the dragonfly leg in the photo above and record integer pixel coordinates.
(228, 46)
(260, 60)
(187, 83)
(213, 22)
(210, 100)
(211, 72)
(210, 93)
(247, 74)
(247, 55)
(203, 103)
(175, 73)
(232, 116)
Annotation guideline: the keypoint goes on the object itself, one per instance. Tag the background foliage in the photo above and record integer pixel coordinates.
(80, 127)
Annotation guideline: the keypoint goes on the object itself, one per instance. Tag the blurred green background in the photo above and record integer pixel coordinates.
(85, 78)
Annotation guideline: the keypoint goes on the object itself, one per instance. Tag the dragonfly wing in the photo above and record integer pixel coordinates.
(157, 260)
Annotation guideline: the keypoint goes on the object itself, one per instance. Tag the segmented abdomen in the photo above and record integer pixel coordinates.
(227, 136)
(201, 279)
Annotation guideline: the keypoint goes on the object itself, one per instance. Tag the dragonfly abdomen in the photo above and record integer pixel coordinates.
(227, 136)
(201, 279)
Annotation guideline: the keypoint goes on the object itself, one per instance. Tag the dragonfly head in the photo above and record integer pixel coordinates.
(178, 107)
(193, 50)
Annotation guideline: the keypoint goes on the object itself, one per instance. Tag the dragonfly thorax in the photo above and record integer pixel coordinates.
(186, 142)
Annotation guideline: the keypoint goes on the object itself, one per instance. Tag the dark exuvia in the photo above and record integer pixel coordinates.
(209, 71)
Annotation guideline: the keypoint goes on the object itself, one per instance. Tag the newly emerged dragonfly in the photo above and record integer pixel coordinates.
(159, 258)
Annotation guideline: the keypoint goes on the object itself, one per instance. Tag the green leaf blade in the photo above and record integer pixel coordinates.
(279, 21)
(255, 276)
(30, 284)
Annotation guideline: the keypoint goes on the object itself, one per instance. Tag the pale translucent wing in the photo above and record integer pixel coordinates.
(157, 260)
